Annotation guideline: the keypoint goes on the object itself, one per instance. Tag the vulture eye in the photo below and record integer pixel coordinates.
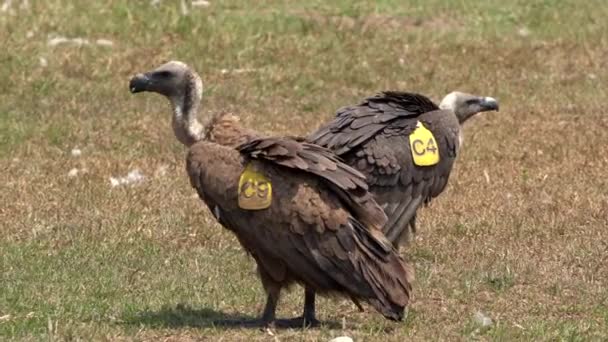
(470, 102)
(164, 74)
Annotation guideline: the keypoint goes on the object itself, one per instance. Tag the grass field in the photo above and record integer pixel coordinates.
(520, 235)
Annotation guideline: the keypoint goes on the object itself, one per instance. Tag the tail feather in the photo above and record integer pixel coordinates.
(388, 275)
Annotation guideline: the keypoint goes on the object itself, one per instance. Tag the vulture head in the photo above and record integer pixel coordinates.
(173, 79)
(466, 105)
(184, 89)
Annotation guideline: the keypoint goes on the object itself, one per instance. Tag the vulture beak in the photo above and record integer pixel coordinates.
(489, 103)
(139, 83)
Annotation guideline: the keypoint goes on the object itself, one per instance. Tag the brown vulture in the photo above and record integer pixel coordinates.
(405, 145)
(302, 214)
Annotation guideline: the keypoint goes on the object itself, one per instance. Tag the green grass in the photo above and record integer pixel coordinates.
(524, 245)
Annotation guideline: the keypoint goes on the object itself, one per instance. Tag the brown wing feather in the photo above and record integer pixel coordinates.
(374, 138)
(225, 129)
(295, 154)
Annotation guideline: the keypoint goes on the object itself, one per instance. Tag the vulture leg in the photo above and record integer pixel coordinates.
(308, 318)
(356, 302)
(268, 316)
(273, 289)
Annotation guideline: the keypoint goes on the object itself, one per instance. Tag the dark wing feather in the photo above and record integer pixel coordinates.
(374, 138)
(346, 181)
(355, 125)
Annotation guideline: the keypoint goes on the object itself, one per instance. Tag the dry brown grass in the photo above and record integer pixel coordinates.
(520, 233)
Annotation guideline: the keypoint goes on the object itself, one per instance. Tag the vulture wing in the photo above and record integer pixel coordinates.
(374, 137)
(296, 154)
(355, 125)
(307, 234)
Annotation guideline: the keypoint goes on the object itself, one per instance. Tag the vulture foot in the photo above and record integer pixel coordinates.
(308, 317)
(299, 322)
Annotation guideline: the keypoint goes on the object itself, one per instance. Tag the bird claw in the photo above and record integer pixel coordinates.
(268, 327)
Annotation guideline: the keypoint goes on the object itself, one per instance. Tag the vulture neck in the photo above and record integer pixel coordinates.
(223, 128)
(186, 126)
(463, 115)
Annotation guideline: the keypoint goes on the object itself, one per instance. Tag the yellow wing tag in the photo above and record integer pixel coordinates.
(424, 146)
(255, 190)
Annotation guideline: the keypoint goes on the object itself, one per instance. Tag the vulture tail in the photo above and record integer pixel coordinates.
(400, 222)
(388, 276)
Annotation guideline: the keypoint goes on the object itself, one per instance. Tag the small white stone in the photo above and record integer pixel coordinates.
(73, 173)
(63, 40)
(200, 3)
(57, 40)
(131, 178)
(523, 31)
(135, 176)
(242, 71)
(76, 152)
(43, 62)
(80, 41)
(114, 182)
(341, 339)
(104, 42)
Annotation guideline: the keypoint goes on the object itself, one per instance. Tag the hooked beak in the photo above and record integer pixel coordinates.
(139, 83)
(489, 103)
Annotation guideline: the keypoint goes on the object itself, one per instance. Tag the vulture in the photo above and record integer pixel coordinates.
(302, 214)
(405, 145)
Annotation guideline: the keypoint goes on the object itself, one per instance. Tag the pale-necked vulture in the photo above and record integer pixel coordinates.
(405, 145)
(302, 214)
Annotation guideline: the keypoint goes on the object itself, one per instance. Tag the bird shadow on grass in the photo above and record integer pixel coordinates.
(183, 316)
